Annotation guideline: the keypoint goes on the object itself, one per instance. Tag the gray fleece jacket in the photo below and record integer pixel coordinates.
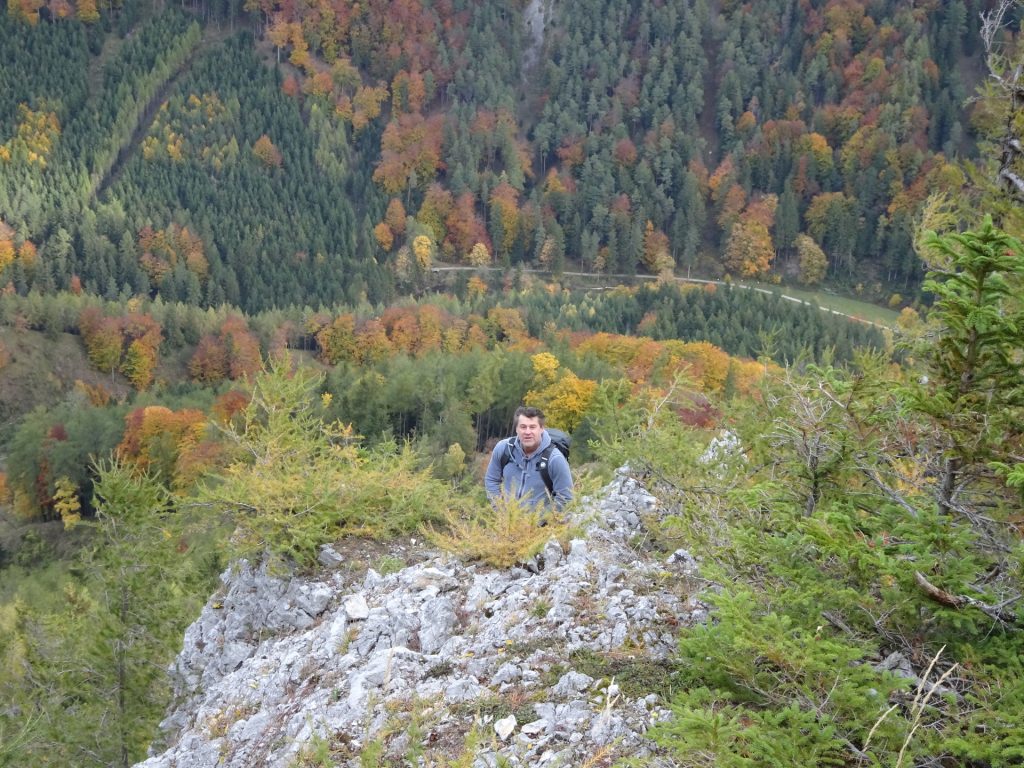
(521, 478)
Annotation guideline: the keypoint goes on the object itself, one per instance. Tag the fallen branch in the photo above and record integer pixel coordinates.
(833, 618)
(939, 595)
(1013, 180)
(874, 477)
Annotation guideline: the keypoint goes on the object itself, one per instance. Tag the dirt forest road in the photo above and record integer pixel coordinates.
(693, 280)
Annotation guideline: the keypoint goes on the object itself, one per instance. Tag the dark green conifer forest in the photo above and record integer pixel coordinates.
(305, 149)
(242, 239)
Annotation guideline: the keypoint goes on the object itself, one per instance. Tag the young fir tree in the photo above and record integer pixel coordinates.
(973, 389)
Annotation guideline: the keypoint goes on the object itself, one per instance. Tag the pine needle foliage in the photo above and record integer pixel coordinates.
(501, 535)
(858, 533)
(296, 481)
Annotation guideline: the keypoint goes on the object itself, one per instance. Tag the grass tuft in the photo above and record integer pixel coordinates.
(500, 535)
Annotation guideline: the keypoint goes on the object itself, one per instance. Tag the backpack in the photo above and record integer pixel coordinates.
(559, 440)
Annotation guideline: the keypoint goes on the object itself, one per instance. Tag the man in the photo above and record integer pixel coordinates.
(515, 469)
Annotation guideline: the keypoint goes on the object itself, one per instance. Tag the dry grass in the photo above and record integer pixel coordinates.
(501, 535)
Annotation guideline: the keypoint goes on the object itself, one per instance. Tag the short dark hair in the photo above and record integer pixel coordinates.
(529, 412)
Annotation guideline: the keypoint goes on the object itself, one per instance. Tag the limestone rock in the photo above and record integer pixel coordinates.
(505, 727)
(273, 663)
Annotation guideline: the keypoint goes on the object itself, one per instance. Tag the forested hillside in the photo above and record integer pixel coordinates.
(321, 153)
(275, 275)
(858, 528)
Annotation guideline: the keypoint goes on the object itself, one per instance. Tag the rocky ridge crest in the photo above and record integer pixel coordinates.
(535, 664)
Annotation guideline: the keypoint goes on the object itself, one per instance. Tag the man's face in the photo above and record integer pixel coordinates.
(529, 431)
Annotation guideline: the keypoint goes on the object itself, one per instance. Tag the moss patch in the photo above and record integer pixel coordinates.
(636, 676)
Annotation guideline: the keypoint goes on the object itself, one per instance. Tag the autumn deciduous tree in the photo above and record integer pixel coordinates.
(244, 358)
(403, 328)
(410, 152)
(435, 210)
(87, 11)
(265, 151)
(233, 352)
(35, 135)
(408, 91)
(656, 254)
(162, 250)
(66, 502)
(749, 251)
(346, 76)
(372, 342)
(571, 152)
(423, 251)
(209, 362)
(465, 227)
(504, 222)
(395, 215)
(279, 33)
(625, 152)
(813, 262)
(337, 341)
(103, 338)
(560, 393)
(731, 204)
(506, 324)
(384, 236)
(139, 364)
(365, 105)
(227, 405)
(818, 148)
(156, 438)
(143, 336)
(636, 355)
(704, 363)
(7, 253)
(25, 10)
(476, 287)
(479, 256)
(319, 85)
(300, 48)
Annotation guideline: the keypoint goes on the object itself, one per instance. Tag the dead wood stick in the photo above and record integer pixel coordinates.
(939, 595)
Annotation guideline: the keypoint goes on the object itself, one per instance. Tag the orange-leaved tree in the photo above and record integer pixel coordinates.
(749, 251)
(410, 152)
(560, 393)
(104, 341)
(337, 341)
(156, 439)
(144, 336)
(266, 152)
(656, 255)
(232, 352)
(504, 223)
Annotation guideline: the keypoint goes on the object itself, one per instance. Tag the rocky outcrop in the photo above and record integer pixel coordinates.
(534, 19)
(438, 658)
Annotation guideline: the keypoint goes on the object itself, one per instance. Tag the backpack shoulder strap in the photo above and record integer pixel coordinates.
(545, 474)
(506, 455)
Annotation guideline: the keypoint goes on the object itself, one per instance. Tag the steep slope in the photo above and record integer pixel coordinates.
(551, 134)
(439, 659)
(40, 369)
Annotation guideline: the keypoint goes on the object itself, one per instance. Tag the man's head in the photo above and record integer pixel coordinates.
(529, 427)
